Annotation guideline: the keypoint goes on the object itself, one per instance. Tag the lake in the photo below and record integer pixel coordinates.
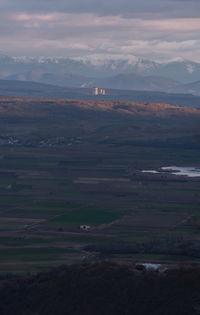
(177, 170)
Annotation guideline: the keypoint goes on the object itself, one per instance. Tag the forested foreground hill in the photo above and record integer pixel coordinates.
(99, 120)
(103, 288)
(38, 107)
(32, 120)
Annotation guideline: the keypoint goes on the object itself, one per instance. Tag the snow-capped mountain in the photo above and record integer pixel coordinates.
(128, 72)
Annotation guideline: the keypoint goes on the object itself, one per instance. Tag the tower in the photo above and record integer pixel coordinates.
(96, 91)
(103, 92)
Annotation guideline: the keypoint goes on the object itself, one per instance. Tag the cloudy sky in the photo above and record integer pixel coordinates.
(152, 29)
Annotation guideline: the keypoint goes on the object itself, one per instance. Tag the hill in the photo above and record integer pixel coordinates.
(32, 107)
(124, 81)
(190, 88)
(102, 288)
(134, 81)
(34, 89)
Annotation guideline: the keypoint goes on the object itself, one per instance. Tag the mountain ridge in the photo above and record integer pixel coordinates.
(184, 71)
(13, 88)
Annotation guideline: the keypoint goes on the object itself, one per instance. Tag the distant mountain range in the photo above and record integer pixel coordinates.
(40, 90)
(191, 88)
(181, 76)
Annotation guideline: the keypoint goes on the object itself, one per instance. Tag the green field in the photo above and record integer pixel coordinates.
(43, 202)
(33, 254)
(93, 217)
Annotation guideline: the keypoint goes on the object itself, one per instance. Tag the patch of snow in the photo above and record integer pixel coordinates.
(190, 68)
(171, 60)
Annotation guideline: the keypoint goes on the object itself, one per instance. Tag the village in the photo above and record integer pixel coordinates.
(40, 141)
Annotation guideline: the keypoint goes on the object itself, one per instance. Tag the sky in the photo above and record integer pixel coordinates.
(151, 29)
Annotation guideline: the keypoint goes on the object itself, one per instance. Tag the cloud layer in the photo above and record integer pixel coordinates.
(157, 30)
(150, 8)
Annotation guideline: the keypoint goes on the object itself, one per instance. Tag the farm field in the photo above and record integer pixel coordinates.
(67, 163)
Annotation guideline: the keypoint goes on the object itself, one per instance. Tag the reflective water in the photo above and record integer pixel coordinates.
(151, 266)
(177, 170)
(157, 267)
(150, 171)
(183, 170)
